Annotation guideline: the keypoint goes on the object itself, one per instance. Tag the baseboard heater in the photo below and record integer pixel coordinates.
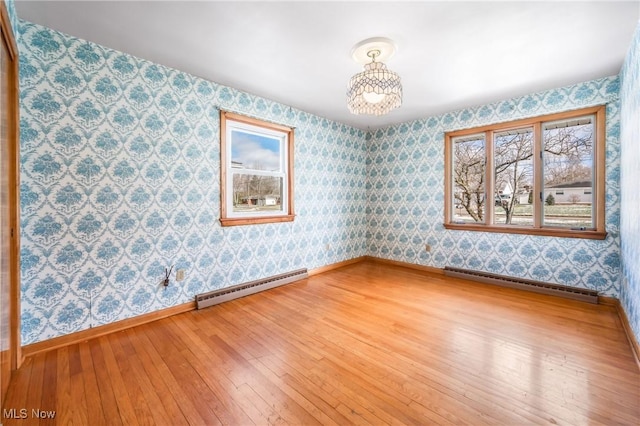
(584, 295)
(225, 294)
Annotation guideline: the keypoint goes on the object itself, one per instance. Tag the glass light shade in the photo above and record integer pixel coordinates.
(375, 91)
(373, 97)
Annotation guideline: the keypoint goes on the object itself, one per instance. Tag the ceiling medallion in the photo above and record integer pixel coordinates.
(376, 90)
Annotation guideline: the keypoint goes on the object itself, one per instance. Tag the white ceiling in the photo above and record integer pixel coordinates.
(450, 55)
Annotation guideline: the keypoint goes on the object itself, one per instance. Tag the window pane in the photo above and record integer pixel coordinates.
(255, 151)
(257, 193)
(568, 172)
(513, 174)
(469, 179)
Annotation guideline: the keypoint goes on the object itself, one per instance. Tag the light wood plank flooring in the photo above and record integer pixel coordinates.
(363, 344)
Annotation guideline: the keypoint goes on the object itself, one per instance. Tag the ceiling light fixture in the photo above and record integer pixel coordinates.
(376, 90)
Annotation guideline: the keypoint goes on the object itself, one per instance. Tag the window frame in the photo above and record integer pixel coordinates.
(229, 121)
(598, 189)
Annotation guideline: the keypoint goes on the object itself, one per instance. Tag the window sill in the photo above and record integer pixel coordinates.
(237, 221)
(549, 232)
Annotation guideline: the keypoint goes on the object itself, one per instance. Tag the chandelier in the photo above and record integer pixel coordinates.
(376, 90)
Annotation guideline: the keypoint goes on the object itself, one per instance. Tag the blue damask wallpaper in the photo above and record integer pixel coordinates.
(405, 209)
(120, 179)
(13, 17)
(120, 176)
(629, 178)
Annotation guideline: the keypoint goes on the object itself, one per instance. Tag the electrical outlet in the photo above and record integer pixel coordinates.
(427, 248)
(327, 247)
(180, 275)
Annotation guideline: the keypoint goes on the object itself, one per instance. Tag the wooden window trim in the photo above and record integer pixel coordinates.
(225, 220)
(10, 103)
(598, 196)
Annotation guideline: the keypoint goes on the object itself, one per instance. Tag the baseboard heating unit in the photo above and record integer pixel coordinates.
(584, 295)
(225, 294)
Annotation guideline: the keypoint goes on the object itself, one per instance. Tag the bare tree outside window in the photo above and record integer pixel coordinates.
(256, 193)
(568, 167)
(469, 178)
(499, 177)
(513, 175)
(568, 151)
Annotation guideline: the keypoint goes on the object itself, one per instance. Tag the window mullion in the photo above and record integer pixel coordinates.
(489, 180)
(537, 175)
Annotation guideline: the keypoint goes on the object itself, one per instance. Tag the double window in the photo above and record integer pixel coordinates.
(542, 176)
(256, 171)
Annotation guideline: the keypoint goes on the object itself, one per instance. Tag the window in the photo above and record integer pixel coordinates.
(545, 176)
(256, 171)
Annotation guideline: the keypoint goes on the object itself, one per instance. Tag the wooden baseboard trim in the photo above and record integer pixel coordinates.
(321, 269)
(609, 301)
(92, 333)
(429, 269)
(84, 335)
(626, 325)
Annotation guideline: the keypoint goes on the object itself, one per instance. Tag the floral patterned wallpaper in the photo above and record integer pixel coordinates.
(120, 175)
(120, 180)
(629, 178)
(405, 209)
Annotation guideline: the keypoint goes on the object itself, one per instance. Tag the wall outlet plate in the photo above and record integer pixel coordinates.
(180, 275)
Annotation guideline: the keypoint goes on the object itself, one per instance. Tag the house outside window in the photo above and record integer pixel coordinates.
(256, 171)
(545, 176)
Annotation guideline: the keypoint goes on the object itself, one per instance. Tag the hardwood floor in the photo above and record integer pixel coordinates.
(363, 344)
